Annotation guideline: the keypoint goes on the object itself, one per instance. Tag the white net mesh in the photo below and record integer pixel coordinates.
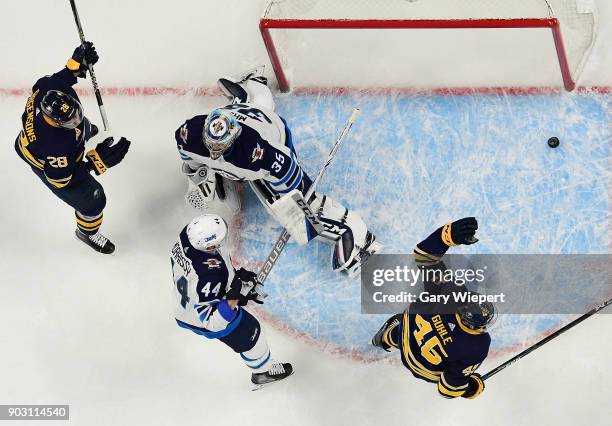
(577, 17)
(578, 27)
(406, 9)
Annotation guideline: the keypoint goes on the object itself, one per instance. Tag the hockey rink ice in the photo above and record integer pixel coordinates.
(98, 332)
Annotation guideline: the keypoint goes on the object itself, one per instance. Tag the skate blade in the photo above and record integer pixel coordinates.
(263, 385)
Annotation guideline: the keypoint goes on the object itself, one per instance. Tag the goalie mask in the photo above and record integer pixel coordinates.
(207, 232)
(221, 130)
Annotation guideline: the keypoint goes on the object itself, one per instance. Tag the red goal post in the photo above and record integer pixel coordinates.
(572, 22)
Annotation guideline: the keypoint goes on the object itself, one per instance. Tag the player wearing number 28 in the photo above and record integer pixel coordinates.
(52, 141)
(447, 347)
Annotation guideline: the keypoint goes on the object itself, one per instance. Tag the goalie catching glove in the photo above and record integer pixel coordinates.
(106, 155)
(244, 287)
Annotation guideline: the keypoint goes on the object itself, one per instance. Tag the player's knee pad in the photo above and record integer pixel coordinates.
(89, 198)
(246, 334)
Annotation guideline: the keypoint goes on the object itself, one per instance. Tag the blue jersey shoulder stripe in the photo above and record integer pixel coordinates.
(288, 175)
(294, 185)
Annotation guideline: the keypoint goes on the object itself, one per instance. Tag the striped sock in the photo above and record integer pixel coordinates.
(88, 224)
(258, 358)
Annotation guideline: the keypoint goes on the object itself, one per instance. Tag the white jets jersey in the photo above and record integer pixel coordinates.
(200, 284)
(263, 151)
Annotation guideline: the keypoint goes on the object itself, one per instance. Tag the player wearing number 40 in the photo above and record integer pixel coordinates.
(248, 141)
(211, 297)
(52, 142)
(442, 346)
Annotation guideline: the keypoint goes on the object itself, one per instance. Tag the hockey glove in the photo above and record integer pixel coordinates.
(244, 287)
(106, 155)
(461, 231)
(251, 289)
(475, 387)
(83, 56)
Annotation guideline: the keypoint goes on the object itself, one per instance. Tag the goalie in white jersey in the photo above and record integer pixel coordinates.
(248, 141)
(211, 295)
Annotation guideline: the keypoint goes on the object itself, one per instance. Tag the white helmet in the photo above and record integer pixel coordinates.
(221, 130)
(207, 232)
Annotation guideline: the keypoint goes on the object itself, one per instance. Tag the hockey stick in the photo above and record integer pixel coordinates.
(94, 81)
(281, 242)
(547, 339)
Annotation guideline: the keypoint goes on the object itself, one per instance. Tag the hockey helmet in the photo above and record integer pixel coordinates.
(221, 130)
(207, 232)
(62, 109)
(476, 315)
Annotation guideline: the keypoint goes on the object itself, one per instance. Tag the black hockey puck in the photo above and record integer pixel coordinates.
(553, 142)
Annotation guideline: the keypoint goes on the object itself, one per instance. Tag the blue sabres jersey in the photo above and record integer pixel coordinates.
(200, 284)
(263, 151)
(56, 151)
(439, 348)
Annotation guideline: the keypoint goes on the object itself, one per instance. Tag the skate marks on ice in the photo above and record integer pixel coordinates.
(413, 163)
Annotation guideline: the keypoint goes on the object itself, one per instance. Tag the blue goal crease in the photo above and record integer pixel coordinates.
(413, 163)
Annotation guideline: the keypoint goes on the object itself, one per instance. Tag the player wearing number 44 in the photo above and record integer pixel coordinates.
(442, 348)
(211, 296)
(248, 141)
(52, 142)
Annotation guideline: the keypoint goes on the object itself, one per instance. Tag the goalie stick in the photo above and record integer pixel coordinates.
(94, 81)
(284, 237)
(547, 339)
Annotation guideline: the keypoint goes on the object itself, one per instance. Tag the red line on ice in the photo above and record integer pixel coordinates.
(146, 91)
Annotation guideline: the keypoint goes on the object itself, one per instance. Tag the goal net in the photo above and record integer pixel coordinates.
(343, 37)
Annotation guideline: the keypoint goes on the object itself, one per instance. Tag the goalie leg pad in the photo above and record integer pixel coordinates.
(349, 257)
(353, 242)
(251, 87)
(294, 213)
(331, 221)
(233, 91)
(259, 94)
